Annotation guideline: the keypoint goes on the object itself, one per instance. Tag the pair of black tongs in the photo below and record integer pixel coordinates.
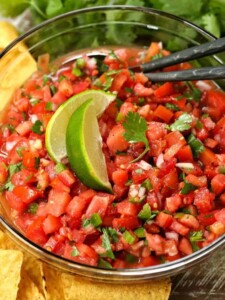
(195, 52)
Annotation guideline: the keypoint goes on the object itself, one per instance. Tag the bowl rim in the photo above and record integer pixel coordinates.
(147, 10)
(112, 275)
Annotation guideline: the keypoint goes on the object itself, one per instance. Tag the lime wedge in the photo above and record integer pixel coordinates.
(84, 147)
(55, 138)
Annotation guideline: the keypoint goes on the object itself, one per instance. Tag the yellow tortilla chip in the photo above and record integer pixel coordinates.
(10, 262)
(54, 284)
(15, 67)
(28, 289)
(76, 288)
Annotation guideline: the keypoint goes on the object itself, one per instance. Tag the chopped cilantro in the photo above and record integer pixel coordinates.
(34, 101)
(36, 162)
(75, 251)
(196, 145)
(106, 244)
(14, 168)
(48, 106)
(80, 63)
(182, 123)
(196, 236)
(145, 213)
(86, 222)
(199, 125)
(9, 186)
(77, 72)
(147, 184)
(221, 169)
(172, 106)
(37, 127)
(113, 234)
(130, 258)
(128, 237)
(140, 232)
(96, 220)
(20, 150)
(135, 131)
(32, 208)
(102, 263)
(187, 188)
(45, 79)
(53, 89)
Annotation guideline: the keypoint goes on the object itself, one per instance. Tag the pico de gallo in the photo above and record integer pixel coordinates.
(164, 146)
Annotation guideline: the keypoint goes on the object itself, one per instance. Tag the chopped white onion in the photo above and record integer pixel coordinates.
(10, 145)
(172, 235)
(36, 144)
(141, 192)
(144, 165)
(185, 165)
(203, 86)
(160, 161)
(33, 118)
(133, 191)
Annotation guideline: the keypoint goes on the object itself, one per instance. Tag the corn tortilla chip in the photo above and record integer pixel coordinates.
(54, 284)
(76, 288)
(10, 262)
(20, 65)
(28, 289)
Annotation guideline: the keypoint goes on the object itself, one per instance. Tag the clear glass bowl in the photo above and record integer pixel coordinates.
(99, 27)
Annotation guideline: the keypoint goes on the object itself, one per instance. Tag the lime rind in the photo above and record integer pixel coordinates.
(55, 138)
(84, 148)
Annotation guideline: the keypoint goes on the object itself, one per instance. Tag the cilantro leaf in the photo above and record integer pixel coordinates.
(182, 123)
(196, 145)
(135, 131)
(37, 127)
(75, 251)
(187, 188)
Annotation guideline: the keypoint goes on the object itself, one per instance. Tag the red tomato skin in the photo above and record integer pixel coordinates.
(67, 177)
(189, 221)
(164, 220)
(128, 222)
(218, 183)
(116, 141)
(179, 228)
(203, 200)
(98, 205)
(220, 215)
(120, 177)
(26, 194)
(185, 246)
(76, 207)
(51, 224)
(127, 208)
(57, 202)
(15, 202)
(35, 232)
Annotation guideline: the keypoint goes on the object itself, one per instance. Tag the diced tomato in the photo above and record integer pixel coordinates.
(57, 202)
(218, 183)
(179, 228)
(164, 90)
(220, 215)
(215, 100)
(153, 49)
(66, 88)
(207, 157)
(119, 80)
(155, 242)
(203, 200)
(164, 220)
(185, 154)
(156, 130)
(26, 194)
(57, 184)
(98, 205)
(30, 160)
(51, 224)
(15, 202)
(217, 228)
(35, 232)
(163, 113)
(116, 141)
(120, 177)
(3, 171)
(86, 255)
(141, 91)
(128, 222)
(175, 137)
(189, 221)
(173, 203)
(207, 218)
(76, 207)
(185, 246)
(67, 177)
(125, 207)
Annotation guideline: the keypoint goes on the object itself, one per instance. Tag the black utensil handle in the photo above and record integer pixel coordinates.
(189, 75)
(185, 55)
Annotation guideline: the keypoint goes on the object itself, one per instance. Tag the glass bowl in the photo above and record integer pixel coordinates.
(86, 30)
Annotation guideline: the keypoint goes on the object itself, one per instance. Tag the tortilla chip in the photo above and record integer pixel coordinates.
(54, 284)
(15, 67)
(7, 243)
(76, 288)
(34, 268)
(28, 289)
(10, 262)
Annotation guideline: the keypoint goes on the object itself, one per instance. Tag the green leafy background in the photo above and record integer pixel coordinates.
(208, 14)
